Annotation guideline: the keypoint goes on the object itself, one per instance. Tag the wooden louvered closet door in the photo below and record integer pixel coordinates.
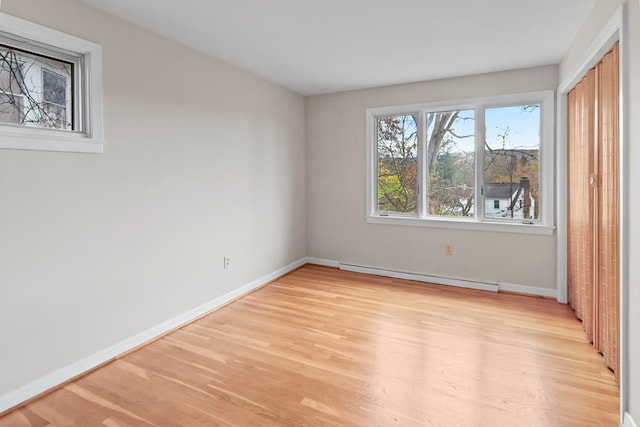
(593, 205)
(608, 208)
(581, 201)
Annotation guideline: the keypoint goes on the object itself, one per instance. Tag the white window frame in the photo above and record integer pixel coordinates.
(88, 138)
(545, 225)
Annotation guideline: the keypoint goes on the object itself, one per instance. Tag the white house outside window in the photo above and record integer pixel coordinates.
(56, 99)
(11, 96)
(35, 91)
(481, 164)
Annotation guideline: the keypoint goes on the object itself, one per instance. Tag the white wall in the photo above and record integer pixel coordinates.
(633, 355)
(602, 11)
(336, 191)
(202, 161)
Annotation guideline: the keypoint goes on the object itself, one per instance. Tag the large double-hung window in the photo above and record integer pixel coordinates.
(478, 164)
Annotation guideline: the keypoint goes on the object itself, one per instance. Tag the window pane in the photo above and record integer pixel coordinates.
(397, 145)
(54, 93)
(43, 86)
(54, 88)
(450, 157)
(10, 108)
(55, 116)
(11, 74)
(512, 162)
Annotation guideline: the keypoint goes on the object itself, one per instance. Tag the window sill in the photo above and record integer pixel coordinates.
(502, 227)
(49, 140)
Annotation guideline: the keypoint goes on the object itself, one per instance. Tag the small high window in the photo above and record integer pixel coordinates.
(50, 89)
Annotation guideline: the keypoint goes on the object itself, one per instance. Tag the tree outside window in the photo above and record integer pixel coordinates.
(35, 90)
(510, 158)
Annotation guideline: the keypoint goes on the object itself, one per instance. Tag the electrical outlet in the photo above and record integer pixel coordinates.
(448, 250)
(227, 262)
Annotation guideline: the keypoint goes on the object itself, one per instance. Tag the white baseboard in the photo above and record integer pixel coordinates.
(440, 280)
(60, 376)
(528, 290)
(628, 421)
(323, 262)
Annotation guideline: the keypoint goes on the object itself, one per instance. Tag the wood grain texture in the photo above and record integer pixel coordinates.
(581, 200)
(324, 347)
(608, 226)
(594, 209)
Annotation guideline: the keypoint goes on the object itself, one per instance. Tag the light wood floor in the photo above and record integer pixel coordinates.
(326, 347)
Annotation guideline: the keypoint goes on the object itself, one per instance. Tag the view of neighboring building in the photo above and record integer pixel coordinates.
(509, 200)
(35, 91)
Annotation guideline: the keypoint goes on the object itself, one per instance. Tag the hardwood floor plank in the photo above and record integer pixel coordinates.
(324, 347)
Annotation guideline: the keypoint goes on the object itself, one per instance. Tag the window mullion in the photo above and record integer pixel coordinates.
(79, 109)
(423, 184)
(479, 162)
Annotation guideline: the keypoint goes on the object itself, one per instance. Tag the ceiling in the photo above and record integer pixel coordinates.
(322, 46)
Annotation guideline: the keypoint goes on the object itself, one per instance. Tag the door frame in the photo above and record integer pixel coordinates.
(615, 30)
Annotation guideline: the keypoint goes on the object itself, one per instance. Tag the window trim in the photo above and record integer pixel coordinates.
(544, 226)
(87, 94)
